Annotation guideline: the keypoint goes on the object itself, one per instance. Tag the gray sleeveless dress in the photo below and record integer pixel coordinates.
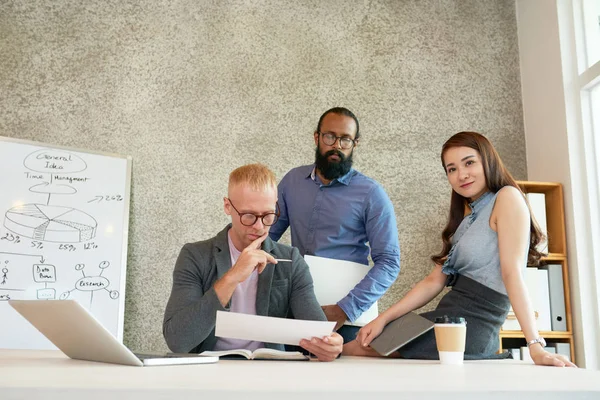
(478, 293)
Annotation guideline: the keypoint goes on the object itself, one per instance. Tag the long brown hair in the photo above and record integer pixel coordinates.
(496, 177)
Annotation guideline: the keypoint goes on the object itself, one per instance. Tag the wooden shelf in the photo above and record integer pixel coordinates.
(554, 257)
(544, 334)
(537, 187)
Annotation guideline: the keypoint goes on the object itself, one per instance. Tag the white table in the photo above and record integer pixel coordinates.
(49, 375)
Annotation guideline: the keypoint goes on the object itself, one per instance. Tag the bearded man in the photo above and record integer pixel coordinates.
(334, 211)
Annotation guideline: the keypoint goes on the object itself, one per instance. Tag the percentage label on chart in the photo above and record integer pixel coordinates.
(98, 199)
(67, 247)
(11, 238)
(90, 246)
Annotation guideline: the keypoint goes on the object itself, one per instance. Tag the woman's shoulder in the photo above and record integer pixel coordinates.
(509, 193)
(510, 198)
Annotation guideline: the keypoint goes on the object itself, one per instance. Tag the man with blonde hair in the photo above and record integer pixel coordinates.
(235, 271)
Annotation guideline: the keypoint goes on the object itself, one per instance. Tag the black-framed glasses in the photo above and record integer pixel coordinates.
(345, 142)
(249, 219)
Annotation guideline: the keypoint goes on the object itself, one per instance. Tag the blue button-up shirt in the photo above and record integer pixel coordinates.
(337, 221)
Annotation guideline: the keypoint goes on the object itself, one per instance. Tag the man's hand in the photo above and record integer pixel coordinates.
(327, 348)
(251, 258)
(333, 312)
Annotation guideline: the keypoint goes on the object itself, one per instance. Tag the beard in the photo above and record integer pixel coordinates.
(332, 169)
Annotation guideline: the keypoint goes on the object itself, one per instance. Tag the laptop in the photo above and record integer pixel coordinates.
(79, 335)
(400, 332)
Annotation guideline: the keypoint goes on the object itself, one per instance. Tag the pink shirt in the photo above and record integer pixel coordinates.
(243, 301)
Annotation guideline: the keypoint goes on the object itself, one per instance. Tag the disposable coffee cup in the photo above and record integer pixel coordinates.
(450, 336)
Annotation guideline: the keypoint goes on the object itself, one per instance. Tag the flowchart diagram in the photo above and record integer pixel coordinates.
(44, 273)
(92, 284)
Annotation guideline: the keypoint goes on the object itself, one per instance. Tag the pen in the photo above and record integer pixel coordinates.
(283, 259)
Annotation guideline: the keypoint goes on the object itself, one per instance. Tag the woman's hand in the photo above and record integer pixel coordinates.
(367, 333)
(542, 357)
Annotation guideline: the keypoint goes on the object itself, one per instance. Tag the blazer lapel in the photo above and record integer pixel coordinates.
(221, 252)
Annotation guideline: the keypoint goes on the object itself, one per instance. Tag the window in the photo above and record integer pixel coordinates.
(590, 10)
(579, 31)
(594, 128)
(586, 25)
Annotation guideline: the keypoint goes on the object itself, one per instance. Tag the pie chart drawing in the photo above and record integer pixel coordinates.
(51, 223)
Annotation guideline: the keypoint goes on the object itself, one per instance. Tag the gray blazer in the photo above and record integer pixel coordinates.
(283, 290)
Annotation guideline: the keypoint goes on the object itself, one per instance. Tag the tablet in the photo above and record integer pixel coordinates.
(400, 332)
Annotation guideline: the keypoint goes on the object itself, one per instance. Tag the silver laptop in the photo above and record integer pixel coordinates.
(400, 332)
(79, 335)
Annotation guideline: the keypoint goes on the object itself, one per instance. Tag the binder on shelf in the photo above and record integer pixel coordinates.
(562, 348)
(557, 297)
(532, 288)
(537, 286)
(516, 353)
(542, 302)
(537, 202)
(511, 323)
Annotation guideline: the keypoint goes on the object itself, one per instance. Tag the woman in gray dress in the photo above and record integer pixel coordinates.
(489, 239)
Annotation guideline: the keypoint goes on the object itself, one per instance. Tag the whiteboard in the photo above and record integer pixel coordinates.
(64, 217)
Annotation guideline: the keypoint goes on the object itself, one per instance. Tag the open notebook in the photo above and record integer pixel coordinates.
(258, 354)
(79, 335)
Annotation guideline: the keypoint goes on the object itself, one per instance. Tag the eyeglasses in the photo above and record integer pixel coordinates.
(345, 142)
(249, 219)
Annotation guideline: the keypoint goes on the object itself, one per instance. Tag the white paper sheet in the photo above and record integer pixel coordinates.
(334, 279)
(269, 329)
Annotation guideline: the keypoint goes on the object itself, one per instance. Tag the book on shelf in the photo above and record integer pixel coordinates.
(258, 354)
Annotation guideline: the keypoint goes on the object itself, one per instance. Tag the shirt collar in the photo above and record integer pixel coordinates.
(481, 202)
(345, 180)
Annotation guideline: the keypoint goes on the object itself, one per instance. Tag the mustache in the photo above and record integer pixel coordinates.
(337, 153)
